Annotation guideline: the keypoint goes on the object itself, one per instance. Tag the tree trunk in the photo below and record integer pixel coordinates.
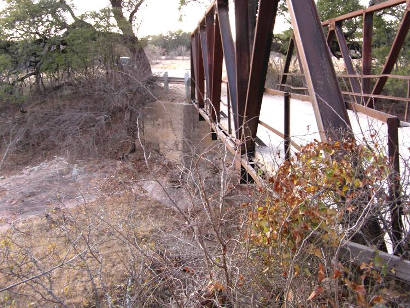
(139, 57)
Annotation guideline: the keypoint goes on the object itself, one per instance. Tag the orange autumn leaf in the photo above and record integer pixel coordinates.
(359, 288)
(336, 274)
(315, 293)
(361, 300)
(377, 300)
(321, 273)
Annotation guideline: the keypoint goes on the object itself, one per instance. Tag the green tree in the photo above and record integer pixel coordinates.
(46, 38)
(331, 9)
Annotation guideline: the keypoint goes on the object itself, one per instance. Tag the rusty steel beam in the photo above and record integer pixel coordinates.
(243, 58)
(330, 37)
(259, 67)
(211, 7)
(367, 50)
(205, 57)
(252, 12)
(402, 77)
(396, 208)
(328, 104)
(209, 28)
(229, 55)
(216, 72)
(193, 70)
(200, 85)
(288, 61)
(371, 9)
(228, 98)
(354, 82)
(407, 103)
(394, 51)
(286, 122)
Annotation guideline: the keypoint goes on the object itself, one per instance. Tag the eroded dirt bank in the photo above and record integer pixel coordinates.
(53, 183)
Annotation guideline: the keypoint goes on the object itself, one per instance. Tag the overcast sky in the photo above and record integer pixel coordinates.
(161, 16)
(158, 16)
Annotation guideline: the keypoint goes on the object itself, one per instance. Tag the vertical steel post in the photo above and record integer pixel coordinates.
(242, 58)
(229, 110)
(252, 11)
(205, 57)
(192, 70)
(287, 141)
(367, 51)
(259, 67)
(288, 61)
(209, 28)
(216, 72)
(396, 209)
(407, 102)
(200, 85)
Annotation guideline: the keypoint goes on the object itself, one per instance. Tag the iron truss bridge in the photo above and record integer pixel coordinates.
(236, 117)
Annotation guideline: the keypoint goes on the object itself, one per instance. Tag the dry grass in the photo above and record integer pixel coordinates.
(102, 244)
(93, 118)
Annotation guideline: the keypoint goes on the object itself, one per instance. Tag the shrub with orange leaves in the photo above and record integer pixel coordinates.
(318, 198)
(317, 193)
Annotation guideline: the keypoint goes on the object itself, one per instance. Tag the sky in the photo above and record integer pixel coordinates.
(158, 16)
(161, 16)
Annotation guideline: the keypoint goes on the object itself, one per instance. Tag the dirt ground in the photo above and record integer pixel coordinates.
(124, 192)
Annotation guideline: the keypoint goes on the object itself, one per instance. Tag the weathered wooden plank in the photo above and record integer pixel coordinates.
(394, 266)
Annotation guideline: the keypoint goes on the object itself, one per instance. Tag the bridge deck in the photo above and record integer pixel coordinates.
(304, 129)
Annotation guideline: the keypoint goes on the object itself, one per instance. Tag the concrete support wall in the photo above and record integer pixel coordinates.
(174, 129)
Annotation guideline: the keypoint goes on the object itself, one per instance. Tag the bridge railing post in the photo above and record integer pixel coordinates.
(187, 82)
(192, 74)
(166, 81)
(229, 110)
(406, 113)
(287, 141)
(396, 209)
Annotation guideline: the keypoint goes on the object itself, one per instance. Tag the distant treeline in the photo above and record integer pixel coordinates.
(170, 43)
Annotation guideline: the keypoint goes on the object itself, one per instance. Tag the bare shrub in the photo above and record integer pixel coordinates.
(180, 51)
(94, 115)
(154, 53)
